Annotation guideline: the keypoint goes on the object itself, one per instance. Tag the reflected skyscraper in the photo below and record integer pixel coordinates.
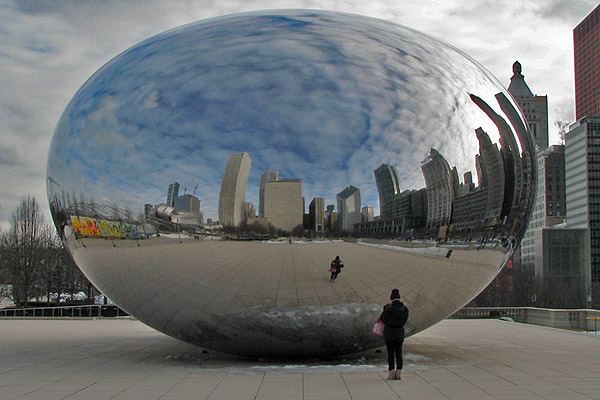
(268, 176)
(172, 193)
(480, 207)
(368, 214)
(491, 175)
(388, 186)
(283, 203)
(316, 212)
(439, 182)
(187, 203)
(232, 207)
(517, 168)
(349, 210)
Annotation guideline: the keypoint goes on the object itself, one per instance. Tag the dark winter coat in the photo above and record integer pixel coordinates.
(394, 316)
(338, 265)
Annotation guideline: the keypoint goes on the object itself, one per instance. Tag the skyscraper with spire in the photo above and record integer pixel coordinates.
(534, 107)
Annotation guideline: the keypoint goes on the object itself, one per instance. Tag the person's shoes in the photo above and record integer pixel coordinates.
(392, 375)
(398, 374)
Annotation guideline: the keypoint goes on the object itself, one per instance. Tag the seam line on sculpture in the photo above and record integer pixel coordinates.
(346, 385)
(260, 385)
(217, 385)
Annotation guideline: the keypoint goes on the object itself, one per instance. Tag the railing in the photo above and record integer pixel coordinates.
(580, 319)
(82, 311)
(488, 312)
(595, 319)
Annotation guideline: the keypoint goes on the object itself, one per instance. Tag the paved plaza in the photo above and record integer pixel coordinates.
(455, 359)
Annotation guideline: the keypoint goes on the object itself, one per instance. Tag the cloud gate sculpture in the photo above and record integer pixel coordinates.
(205, 178)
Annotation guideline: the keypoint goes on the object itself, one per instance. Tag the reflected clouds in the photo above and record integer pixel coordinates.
(258, 80)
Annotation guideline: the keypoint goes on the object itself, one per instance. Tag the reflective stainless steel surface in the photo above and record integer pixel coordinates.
(205, 178)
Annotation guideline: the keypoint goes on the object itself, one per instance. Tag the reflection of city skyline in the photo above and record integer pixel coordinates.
(445, 206)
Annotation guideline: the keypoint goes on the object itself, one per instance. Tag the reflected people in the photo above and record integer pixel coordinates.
(336, 268)
(203, 178)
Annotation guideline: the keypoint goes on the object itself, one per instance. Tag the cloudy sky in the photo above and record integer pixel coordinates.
(49, 48)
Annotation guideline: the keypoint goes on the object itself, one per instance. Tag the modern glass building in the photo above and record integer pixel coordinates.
(172, 194)
(388, 186)
(582, 175)
(586, 44)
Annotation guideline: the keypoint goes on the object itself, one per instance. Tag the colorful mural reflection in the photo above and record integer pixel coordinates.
(84, 226)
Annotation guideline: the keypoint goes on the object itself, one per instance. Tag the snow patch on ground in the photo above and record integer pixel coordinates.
(429, 251)
(371, 362)
(287, 241)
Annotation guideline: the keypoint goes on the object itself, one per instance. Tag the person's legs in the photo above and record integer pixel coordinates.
(399, 363)
(390, 353)
(334, 275)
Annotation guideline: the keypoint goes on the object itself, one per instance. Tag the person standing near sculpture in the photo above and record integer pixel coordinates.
(394, 317)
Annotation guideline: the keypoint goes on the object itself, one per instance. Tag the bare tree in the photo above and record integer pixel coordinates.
(23, 248)
(563, 128)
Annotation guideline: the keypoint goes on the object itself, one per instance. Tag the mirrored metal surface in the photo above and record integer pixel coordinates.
(205, 178)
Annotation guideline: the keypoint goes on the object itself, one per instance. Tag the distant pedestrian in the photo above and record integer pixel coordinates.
(394, 316)
(335, 268)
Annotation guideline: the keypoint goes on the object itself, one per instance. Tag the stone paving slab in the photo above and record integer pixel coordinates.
(455, 359)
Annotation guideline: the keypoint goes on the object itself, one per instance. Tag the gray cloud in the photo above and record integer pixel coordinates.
(8, 155)
(570, 11)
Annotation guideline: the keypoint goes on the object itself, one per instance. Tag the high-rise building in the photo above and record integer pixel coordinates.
(268, 176)
(550, 203)
(316, 214)
(582, 176)
(563, 255)
(368, 214)
(250, 211)
(284, 204)
(534, 107)
(586, 44)
(440, 190)
(492, 176)
(187, 203)
(329, 211)
(519, 163)
(232, 206)
(349, 210)
(388, 186)
(172, 194)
